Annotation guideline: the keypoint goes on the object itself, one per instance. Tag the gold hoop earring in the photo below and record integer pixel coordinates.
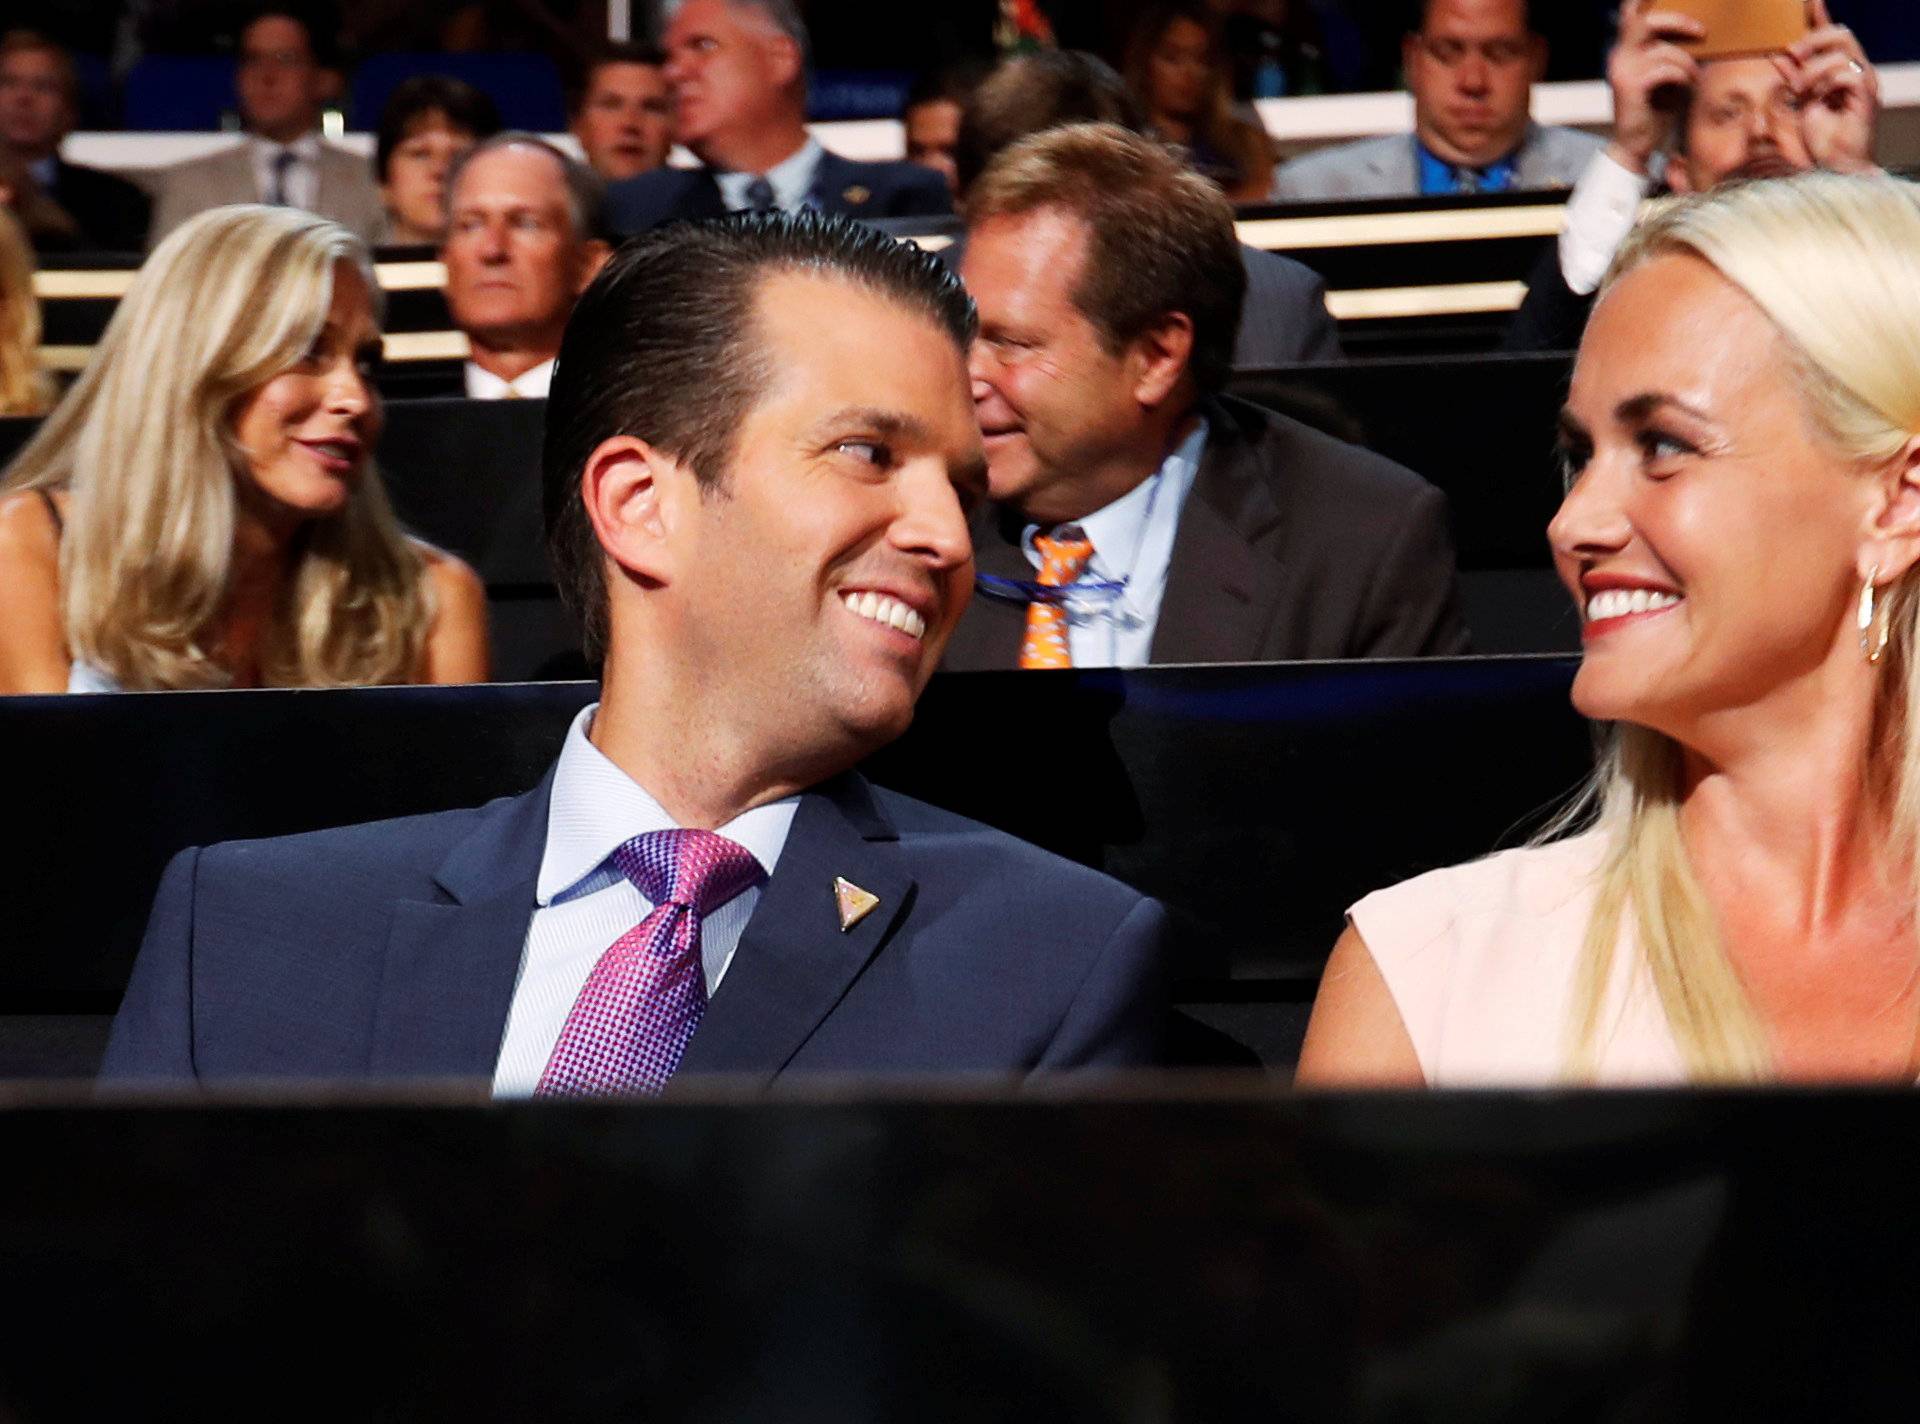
(1873, 624)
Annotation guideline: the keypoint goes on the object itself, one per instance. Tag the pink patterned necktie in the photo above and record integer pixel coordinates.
(643, 1000)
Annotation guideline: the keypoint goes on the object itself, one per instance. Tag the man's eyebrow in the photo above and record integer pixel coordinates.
(1635, 409)
(893, 424)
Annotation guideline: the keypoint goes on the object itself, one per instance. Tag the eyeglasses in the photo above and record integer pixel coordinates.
(1451, 52)
(1090, 597)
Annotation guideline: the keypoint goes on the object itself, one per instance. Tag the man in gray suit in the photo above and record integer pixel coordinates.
(282, 84)
(1141, 515)
(1471, 67)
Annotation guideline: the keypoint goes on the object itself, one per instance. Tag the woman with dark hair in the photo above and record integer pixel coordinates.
(1177, 72)
(428, 122)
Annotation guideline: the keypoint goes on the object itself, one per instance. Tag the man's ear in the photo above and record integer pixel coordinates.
(1893, 536)
(593, 256)
(783, 60)
(1162, 354)
(635, 499)
(1537, 57)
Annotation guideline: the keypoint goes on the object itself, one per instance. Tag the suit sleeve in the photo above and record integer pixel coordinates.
(1319, 337)
(1118, 1016)
(1552, 316)
(152, 1038)
(1412, 606)
(923, 195)
(171, 207)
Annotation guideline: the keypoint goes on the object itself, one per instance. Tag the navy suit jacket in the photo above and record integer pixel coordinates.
(842, 186)
(390, 951)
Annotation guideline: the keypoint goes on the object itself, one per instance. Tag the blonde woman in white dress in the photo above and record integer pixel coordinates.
(1742, 443)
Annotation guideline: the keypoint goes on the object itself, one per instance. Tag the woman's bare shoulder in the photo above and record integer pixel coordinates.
(27, 527)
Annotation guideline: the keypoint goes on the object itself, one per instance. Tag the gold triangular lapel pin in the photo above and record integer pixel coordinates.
(853, 903)
(857, 195)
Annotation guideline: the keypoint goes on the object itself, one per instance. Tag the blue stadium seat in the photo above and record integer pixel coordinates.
(178, 92)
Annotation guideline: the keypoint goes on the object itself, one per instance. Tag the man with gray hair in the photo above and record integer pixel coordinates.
(525, 235)
(737, 70)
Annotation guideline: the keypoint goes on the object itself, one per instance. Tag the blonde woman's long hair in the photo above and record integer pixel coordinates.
(24, 388)
(1834, 263)
(144, 446)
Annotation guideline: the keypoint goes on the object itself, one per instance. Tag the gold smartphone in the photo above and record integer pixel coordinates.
(1737, 27)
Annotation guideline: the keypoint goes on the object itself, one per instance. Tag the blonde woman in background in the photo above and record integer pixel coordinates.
(24, 388)
(201, 510)
(1740, 529)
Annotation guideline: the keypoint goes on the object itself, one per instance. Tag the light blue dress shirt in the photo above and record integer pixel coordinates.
(791, 179)
(583, 903)
(1132, 540)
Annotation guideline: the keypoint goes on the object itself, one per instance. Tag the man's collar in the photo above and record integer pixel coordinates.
(305, 148)
(531, 384)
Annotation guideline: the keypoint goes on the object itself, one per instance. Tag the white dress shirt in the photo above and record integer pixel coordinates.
(1133, 541)
(1601, 211)
(791, 179)
(583, 903)
(531, 384)
(302, 187)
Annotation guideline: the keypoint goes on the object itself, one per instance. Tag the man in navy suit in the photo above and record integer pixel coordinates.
(738, 73)
(760, 457)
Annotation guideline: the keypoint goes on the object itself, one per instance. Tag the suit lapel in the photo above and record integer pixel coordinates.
(794, 963)
(836, 187)
(700, 198)
(1220, 591)
(451, 963)
(990, 633)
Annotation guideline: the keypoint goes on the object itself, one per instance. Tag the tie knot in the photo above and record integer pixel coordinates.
(760, 195)
(1064, 555)
(694, 869)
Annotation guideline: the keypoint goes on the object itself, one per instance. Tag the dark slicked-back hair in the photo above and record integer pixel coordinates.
(664, 346)
(1032, 93)
(1160, 237)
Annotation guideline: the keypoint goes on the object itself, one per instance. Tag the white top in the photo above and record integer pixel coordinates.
(1480, 960)
(303, 174)
(791, 178)
(85, 677)
(531, 384)
(583, 902)
(1132, 540)
(1601, 211)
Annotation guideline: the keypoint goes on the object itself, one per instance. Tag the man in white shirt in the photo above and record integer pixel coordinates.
(523, 241)
(1142, 515)
(738, 73)
(1697, 125)
(283, 83)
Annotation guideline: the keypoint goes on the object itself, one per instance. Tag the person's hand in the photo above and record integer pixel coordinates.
(1839, 94)
(1646, 69)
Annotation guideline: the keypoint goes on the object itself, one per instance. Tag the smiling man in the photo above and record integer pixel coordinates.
(523, 240)
(760, 455)
(1471, 68)
(737, 70)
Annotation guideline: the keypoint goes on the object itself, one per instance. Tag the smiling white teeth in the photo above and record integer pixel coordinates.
(880, 608)
(1621, 602)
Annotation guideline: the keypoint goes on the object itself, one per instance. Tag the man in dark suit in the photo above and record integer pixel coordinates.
(1284, 317)
(759, 454)
(1142, 517)
(738, 73)
(39, 105)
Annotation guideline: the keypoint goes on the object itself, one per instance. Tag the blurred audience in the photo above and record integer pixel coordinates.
(1180, 78)
(525, 238)
(1142, 515)
(24, 388)
(1284, 317)
(1471, 67)
(39, 106)
(1741, 526)
(622, 114)
(201, 510)
(285, 77)
(738, 73)
(49, 228)
(426, 124)
(930, 118)
(1275, 49)
(1816, 105)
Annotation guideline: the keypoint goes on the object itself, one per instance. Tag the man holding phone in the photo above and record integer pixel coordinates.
(1731, 113)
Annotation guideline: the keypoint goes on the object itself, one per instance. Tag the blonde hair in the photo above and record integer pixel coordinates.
(144, 445)
(24, 388)
(1834, 263)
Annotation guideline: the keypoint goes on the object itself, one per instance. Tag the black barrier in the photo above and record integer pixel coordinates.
(1256, 801)
(1488, 1257)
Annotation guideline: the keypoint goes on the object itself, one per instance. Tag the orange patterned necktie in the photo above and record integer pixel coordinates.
(1062, 560)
